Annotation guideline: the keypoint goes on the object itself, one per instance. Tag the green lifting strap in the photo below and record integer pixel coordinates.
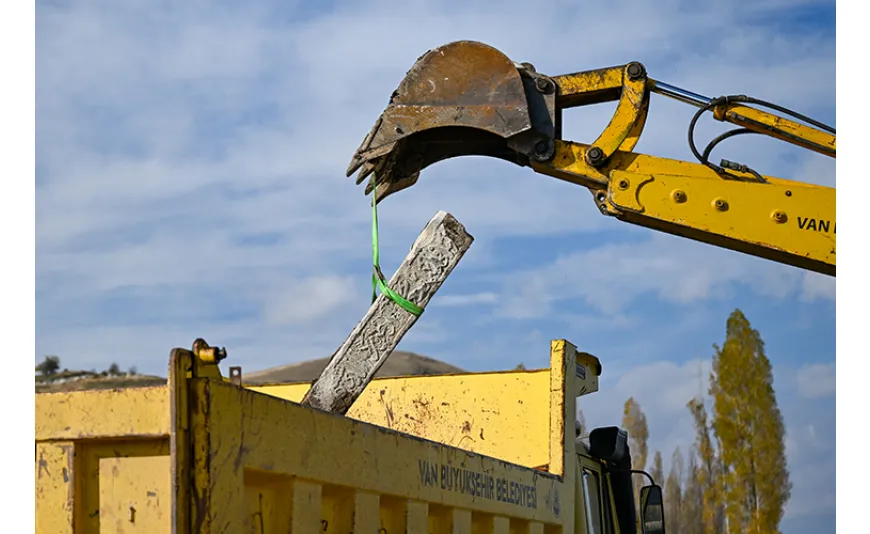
(378, 281)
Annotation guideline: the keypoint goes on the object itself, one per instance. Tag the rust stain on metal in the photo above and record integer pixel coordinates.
(388, 410)
(43, 466)
(464, 98)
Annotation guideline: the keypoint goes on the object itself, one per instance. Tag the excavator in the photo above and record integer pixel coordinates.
(468, 98)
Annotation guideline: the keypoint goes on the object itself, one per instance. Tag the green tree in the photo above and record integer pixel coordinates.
(634, 422)
(750, 431)
(674, 494)
(114, 369)
(49, 366)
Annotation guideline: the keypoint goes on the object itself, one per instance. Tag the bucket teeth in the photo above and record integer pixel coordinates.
(464, 98)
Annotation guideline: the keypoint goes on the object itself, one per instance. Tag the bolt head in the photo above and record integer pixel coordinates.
(595, 153)
(635, 71)
(542, 84)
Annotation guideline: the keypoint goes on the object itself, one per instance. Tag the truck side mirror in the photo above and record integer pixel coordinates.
(652, 510)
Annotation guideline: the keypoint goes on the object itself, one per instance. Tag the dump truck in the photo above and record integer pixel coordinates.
(463, 453)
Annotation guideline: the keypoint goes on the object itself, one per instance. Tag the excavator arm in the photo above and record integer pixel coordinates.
(467, 98)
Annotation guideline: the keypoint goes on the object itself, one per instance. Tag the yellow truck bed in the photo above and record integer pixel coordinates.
(466, 453)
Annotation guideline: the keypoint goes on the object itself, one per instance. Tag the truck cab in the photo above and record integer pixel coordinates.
(607, 490)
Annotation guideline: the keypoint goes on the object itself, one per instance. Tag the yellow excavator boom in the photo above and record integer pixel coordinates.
(467, 98)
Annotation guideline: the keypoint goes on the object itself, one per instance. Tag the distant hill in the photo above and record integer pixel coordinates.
(400, 363)
(81, 380)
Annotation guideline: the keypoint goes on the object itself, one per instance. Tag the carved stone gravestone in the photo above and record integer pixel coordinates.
(432, 258)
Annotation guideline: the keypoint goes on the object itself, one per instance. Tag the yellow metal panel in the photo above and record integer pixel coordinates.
(55, 487)
(486, 413)
(460, 522)
(135, 478)
(475, 412)
(500, 525)
(791, 217)
(103, 413)
(519, 527)
(306, 507)
(135, 495)
(628, 112)
(366, 513)
(417, 518)
(781, 220)
(558, 376)
(267, 505)
(482, 523)
(180, 362)
(779, 127)
(588, 87)
(255, 431)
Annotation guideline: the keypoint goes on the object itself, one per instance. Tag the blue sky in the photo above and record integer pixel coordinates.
(190, 182)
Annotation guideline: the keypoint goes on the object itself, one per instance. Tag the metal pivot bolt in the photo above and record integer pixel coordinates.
(720, 204)
(543, 85)
(594, 156)
(623, 184)
(635, 70)
(678, 196)
(543, 150)
(206, 353)
(601, 199)
(779, 216)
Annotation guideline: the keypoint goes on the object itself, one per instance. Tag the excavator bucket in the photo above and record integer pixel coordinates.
(464, 98)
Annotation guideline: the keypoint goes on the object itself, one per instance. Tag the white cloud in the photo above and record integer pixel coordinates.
(817, 380)
(610, 277)
(818, 287)
(308, 300)
(464, 300)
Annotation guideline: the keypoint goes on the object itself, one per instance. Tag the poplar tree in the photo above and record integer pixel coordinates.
(674, 494)
(750, 431)
(709, 471)
(657, 472)
(634, 422)
(692, 509)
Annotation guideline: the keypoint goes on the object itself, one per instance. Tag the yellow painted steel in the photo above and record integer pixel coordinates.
(221, 458)
(469, 411)
(778, 127)
(590, 87)
(782, 220)
(786, 221)
(137, 412)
